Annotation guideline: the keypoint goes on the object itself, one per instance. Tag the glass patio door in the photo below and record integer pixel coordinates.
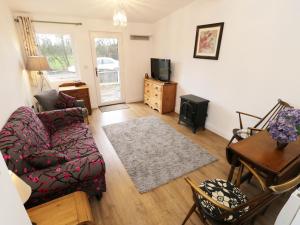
(107, 65)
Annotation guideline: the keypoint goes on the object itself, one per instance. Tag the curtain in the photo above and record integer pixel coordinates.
(28, 36)
(29, 42)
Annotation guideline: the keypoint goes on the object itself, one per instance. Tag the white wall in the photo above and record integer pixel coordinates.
(12, 211)
(259, 56)
(14, 86)
(14, 92)
(136, 54)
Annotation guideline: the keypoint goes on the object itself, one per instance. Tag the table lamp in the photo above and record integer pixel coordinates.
(23, 189)
(39, 64)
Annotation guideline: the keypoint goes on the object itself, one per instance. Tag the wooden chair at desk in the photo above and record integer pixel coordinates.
(210, 199)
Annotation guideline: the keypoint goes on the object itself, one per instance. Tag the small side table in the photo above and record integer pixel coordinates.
(72, 209)
(193, 111)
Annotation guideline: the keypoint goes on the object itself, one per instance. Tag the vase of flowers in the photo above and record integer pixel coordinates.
(281, 145)
(285, 128)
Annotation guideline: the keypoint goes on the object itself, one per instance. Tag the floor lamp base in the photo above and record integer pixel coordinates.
(43, 80)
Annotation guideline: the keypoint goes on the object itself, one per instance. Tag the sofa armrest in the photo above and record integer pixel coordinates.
(67, 175)
(80, 103)
(85, 112)
(56, 119)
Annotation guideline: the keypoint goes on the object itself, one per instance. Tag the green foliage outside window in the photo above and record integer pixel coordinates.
(107, 47)
(58, 50)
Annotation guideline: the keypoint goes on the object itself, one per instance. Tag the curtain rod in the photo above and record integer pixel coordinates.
(55, 22)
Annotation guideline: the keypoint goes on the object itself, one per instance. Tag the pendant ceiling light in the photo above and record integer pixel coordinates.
(120, 18)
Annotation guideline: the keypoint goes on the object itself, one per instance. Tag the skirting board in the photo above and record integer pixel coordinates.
(134, 100)
(211, 128)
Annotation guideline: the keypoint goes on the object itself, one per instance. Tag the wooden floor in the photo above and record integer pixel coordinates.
(122, 204)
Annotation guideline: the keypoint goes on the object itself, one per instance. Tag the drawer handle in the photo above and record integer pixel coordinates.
(156, 95)
(156, 88)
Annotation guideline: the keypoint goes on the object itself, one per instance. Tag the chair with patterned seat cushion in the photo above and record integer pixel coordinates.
(225, 193)
(221, 202)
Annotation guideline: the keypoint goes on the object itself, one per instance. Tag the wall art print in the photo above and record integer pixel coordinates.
(208, 41)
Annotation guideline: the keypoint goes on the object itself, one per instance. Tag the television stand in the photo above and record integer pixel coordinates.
(159, 95)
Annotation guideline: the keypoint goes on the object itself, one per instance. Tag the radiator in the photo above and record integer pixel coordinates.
(290, 213)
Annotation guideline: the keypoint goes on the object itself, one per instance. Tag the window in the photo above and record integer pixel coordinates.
(58, 50)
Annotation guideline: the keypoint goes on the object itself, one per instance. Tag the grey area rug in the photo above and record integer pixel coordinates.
(154, 153)
(113, 107)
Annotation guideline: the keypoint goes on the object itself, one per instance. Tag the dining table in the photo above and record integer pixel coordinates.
(260, 151)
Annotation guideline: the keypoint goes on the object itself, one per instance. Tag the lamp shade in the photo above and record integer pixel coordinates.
(23, 189)
(37, 63)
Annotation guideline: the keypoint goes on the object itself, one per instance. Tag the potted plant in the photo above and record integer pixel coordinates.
(285, 128)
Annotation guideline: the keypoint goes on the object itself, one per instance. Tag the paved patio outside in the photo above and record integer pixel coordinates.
(110, 92)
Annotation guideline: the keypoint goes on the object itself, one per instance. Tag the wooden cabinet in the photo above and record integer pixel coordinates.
(160, 95)
(72, 209)
(80, 93)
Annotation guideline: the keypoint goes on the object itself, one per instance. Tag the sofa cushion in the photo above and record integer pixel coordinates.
(13, 149)
(46, 158)
(86, 173)
(27, 118)
(21, 135)
(65, 101)
(72, 132)
(47, 99)
(57, 119)
(77, 148)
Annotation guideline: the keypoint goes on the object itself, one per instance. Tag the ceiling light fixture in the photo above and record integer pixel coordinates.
(120, 18)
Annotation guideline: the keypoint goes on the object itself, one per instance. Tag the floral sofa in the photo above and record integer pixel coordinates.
(54, 152)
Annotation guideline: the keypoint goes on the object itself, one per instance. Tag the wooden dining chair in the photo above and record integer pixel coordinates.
(219, 202)
(262, 124)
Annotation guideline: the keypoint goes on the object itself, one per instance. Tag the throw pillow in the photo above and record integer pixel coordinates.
(46, 158)
(47, 99)
(65, 101)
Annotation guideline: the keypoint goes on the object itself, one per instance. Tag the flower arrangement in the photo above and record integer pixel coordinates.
(285, 128)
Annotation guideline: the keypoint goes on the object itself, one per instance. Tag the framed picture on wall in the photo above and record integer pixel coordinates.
(208, 41)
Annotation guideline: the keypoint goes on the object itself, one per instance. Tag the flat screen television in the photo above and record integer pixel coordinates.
(161, 69)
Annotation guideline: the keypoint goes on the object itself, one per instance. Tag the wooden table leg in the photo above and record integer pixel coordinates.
(231, 172)
(233, 163)
(271, 179)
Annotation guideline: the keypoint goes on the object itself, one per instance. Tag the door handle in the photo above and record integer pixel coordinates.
(96, 70)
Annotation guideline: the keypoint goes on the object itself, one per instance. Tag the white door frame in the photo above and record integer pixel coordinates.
(119, 36)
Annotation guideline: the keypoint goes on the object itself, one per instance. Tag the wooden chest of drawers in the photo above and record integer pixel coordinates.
(80, 93)
(160, 95)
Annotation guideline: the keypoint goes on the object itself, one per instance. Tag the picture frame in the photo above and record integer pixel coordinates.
(208, 41)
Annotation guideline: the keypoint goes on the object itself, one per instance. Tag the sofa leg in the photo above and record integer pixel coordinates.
(99, 196)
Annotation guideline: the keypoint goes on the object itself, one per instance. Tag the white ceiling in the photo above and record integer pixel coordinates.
(147, 11)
